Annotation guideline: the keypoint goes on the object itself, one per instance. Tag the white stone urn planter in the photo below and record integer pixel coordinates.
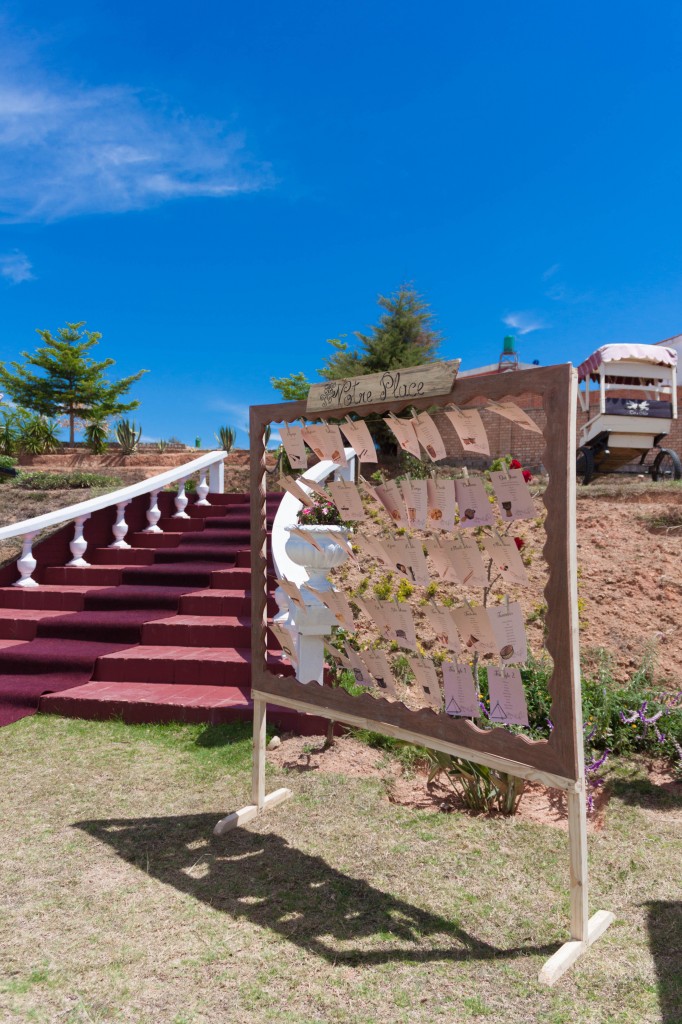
(317, 563)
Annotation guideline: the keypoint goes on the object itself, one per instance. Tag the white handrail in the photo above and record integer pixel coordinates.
(124, 494)
(286, 515)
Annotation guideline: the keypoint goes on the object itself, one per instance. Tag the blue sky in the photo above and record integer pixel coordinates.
(219, 188)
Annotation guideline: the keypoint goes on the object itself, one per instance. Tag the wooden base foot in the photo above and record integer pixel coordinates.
(250, 812)
(570, 951)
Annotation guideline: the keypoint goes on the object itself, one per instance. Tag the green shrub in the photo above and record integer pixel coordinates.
(383, 588)
(66, 481)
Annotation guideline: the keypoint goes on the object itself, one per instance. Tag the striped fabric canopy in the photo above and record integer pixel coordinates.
(657, 355)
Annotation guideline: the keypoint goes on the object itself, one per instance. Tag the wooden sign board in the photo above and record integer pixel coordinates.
(556, 761)
(408, 385)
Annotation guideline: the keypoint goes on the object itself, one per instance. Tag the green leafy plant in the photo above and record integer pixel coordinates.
(320, 513)
(226, 437)
(383, 588)
(66, 481)
(161, 446)
(404, 591)
(481, 789)
(37, 435)
(96, 434)
(128, 435)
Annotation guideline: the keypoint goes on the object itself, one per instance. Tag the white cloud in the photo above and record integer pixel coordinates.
(16, 267)
(551, 271)
(524, 323)
(68, 149)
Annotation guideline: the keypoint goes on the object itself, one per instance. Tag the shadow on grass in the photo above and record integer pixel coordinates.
(225, 734)
(262, 879)
(664, 921)
(664, 796)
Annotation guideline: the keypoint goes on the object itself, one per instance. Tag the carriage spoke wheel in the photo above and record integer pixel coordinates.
(667, 465)
(584, 467)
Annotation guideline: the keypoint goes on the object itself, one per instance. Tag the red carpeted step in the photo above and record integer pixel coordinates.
(58, 598)
(233, 536)
(125, 596)
(120, 626)
(230, 579)
(96, 575)
(22, 623)
(211, 552)
(199, 631)
(121, 556)
(166, 523)
(216, 602)
(155, 540)
(186, 574)
(213, 666)
(46, 656)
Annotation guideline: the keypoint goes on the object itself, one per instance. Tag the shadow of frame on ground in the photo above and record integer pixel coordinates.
(664, 921)
(263, 879)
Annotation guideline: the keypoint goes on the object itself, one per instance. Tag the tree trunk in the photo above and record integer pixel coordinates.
(72, 430)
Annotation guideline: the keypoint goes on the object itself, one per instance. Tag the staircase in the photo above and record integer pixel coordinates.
(156, 632)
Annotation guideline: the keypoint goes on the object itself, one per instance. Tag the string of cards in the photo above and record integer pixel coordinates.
(445, 506)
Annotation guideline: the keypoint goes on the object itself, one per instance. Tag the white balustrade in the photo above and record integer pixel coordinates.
(181, 500)
(79, 544)
(202, 490)
(120, 527)
(26, 564)
(153, 514)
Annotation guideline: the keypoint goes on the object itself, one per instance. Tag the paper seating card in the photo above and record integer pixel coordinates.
(441, 503)
(305, 535)
(507, 699)
(507, 559)
(292, 439)
(292, 592)
(346, 497)
(426, 679)
(398, 618)
(416, 502)
(407, 556)
(470, 429)
(429, 437)
(326, 441)
(379, 668)
(405, 434)
(367, 487)
(513, 412)
(318, 489)
(357, 667)
(475, 629)
(466, 559)
(510, 634)
(338, 605)
(443, 624)
(373, 609)
(372, 547)
(473, 504)
(461, 694)
(295, 489)
(513, 496)
(440, 556)
(359, 438)
(285, 641)
(390, 497)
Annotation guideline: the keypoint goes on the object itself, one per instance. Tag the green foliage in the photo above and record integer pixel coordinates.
(70, 383)
(384, 587)
(128, 436)
(161, 446)
(482, 789)
(414, 467)
(226, 437)
(320, 513)
(401, 669)
(96, 434)
(66, 481)
(7, 471)
(293, 388)
(37, 435)
(404, 592)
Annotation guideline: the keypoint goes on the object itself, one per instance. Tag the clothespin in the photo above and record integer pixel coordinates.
(465, 472)
(468, 606)
(506, 603)
(499, 536)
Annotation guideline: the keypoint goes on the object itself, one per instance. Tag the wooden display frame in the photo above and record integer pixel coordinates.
(557, 761)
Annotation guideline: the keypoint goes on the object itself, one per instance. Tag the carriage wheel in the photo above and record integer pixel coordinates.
(584, 466)
(667, 465)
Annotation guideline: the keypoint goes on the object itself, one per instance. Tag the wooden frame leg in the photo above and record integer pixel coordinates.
(584, 931)
(261, 802)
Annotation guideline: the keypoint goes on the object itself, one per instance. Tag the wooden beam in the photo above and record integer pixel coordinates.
(251, 811)
(570, 951)
(409, 383)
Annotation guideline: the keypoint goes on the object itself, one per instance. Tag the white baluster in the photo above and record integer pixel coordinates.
(153, 514)
(27, 563)
(202, 490)
(181, 500)
(120, 527)
(79, 544)
(216, 477)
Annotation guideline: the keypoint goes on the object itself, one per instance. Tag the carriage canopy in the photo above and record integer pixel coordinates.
(656, 355)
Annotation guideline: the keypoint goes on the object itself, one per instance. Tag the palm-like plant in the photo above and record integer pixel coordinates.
(226, 437)
(96, 434)
(128, 435)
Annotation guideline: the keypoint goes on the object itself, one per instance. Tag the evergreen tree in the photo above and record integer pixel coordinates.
(72, 383)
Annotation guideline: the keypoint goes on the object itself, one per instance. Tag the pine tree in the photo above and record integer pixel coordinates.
(72, 384)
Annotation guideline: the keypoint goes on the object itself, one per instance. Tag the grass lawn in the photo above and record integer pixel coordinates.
(117, 904)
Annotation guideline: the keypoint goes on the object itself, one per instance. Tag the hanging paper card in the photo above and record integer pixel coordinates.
(346, 497)
(292, 439)
(295, 489)
(407, 556)
(305, 535)
(405, 434)
(507, 699)
(371, 547)
(325, 440)
(468, 564)
(513, 496)
(470, 429)
(392, 500)
(440, 556)
(510, 635)
(426, 678)
(373, 609)
(443, 624)
(429, 436)
(359, 438)
(318, 489)
(377, 663)
(506, 557)
(473, 504)
(399, 619)
(441, 503)
(339, 537)
(366, 486)
(285, 641)
(338, 605)
(358, 668)
(416, 502)
(475, 629)
(292, 592)
(461, 696)
(513, 412)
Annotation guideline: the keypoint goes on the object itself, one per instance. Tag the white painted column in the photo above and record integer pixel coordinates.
(26, 563)
(181, 500)
(216, 477)
(120, 527)
(79, 544)
(153, 514)
(202, 489)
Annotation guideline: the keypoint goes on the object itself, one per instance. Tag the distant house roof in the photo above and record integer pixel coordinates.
(484, 371)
